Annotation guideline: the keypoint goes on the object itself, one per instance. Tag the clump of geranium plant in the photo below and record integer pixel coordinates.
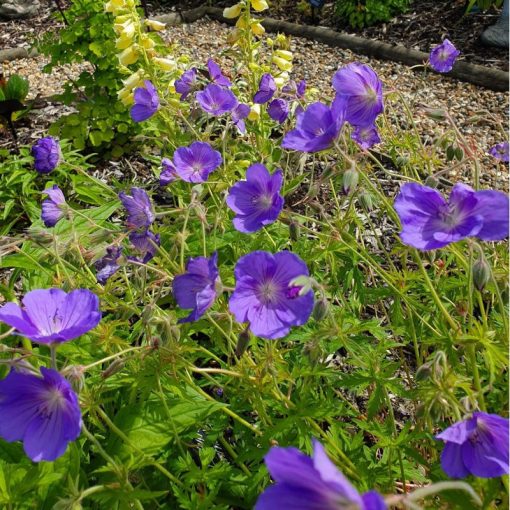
(262, 297)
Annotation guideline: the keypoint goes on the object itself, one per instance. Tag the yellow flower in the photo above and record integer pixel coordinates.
(147, 42)
(155, 25)
(133, 81)
(123, 42)
(167, 64)
(254, 112)
(126, 29)
(232, 12)
(241, 23)
(281, 80)
(126, 97)
(128, 56)
(269, 42)
(282, 64)
(286, 55)
(114, 6)
(257, 28)
(259, 5)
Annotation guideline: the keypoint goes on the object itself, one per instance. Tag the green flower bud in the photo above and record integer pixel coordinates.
(242, 343)
(431, 181)
(320, 309)
(294, 230)
(350, 181)
(366, 200)
(481, 273)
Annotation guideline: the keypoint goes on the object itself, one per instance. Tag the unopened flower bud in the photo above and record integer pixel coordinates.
(115, 366)
(431, 181)
(167, 64)
(286, 55)
(350, 181)
(242, 343)
(366, 201)
(294, 230)
(481, 273)
(282, 64)
(435, 113)
(424, 371)
(320, 309)
(74, 374)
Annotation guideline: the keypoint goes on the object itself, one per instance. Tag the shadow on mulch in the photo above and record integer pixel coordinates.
(424, 25)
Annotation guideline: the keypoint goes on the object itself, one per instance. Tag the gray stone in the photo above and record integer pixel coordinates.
(13, 9)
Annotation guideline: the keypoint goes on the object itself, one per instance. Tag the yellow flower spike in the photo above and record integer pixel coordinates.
(241, 23)
(155, 25)
(257, 28)
(282, 64)
(167, 64)
(286, 55)
(128, 56)
(232, 12)
(254, 112)
(259, 5)
(133, 81)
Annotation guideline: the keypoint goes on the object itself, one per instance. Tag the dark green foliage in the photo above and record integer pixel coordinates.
(363, 13)
(101, 123)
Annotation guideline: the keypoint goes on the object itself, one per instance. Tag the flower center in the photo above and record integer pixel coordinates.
(53, 400)
(264, 201)
(267, 292)
(197, 168)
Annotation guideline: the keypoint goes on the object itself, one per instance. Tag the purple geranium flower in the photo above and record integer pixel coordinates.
(311, 484)
(263, 295)
(52, 207)
(443, 56)
(239, 113)
(47, 154)
(216, 75)
(429, 222)
(146, 102)
(168, 173)
(257, 200)
(107, 265)
(42, 412)
(366, 136)
(477, 446)
(196, 288)
(500, 151)
(216, 100)
(316, 129)
(139, 208)
(52, 316)
(359, 87)
(196, 162)
(278, 110)
(267, 88)
(146, 245)
(184, 85)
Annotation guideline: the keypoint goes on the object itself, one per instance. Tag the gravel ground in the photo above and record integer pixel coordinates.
(316, 63)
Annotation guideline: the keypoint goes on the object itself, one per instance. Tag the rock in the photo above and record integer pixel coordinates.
(14, 9)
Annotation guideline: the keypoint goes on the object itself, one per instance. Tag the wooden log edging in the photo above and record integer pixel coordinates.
(493, 79)
(487, 77)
